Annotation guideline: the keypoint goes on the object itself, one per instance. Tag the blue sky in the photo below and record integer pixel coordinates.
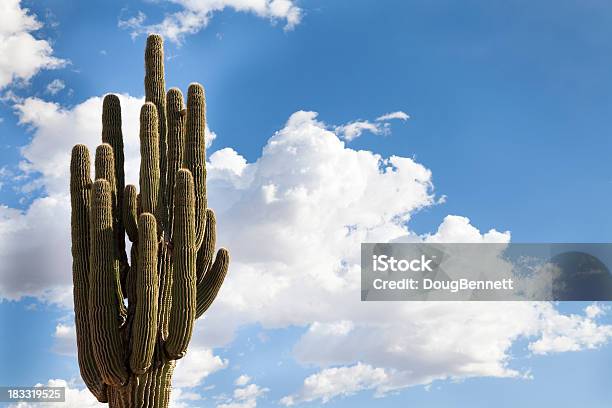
(509, 106)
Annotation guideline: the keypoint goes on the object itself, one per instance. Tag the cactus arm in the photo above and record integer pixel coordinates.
(182, 312)
(206, 253)
(112, 134)
(209, 278)
(176, 140)
(105, 169)
(129, 212)
(80, 195)
(149, 160)
(195, 153)
(144, 329)
(209, 287)
(176, 144)
(104, 314)
(155, 92)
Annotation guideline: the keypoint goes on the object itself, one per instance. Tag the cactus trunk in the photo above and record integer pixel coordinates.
(134, 318)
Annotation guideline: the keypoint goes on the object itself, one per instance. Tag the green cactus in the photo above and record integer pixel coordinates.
(135, 318)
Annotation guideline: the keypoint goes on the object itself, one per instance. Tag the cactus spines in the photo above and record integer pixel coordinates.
(127, 355)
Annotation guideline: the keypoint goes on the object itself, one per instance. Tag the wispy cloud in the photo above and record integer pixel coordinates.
(55, 86)
(196, 14)
(353, 130)
(381, 126)
(393, 115)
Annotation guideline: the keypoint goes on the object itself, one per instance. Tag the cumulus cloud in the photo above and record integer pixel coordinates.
(340, 381)
(35, 249)
(572, 332)
(294, 220)
(195, 15)
(21, 54)
(464, 340)
(455, 228)
(244, 397)
(55, 86)
(198, 364)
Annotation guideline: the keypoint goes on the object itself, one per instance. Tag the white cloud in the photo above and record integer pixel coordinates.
(355, 129)
(65, 339)
(55, 86)
(10, 96)
(242, 380)
(75, 397)
(561, 333)
(340, 381)
(57, 129)
(198, 364)
(294, 220)
(35, 251)
(135, 23)
(229, 160)
(393, 115)
(196, 14)
(381, 126)
(460, 340)
(180, 398)
(458, 229)
(22, 55)
(595, 310)
(244, 397)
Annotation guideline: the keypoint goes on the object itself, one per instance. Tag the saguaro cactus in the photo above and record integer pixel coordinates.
(135, 318)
